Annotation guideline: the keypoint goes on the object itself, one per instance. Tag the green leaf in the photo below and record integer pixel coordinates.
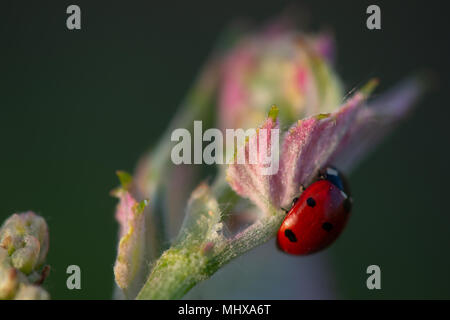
(125, 179)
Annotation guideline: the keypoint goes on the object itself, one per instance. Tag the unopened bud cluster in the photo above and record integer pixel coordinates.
(23, 248)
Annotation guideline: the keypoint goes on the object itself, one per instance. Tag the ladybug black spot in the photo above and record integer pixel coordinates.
(311, 202)
(290, 235)
(348, 205)
(327, 226)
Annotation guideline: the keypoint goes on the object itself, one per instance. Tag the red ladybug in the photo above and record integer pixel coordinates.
(318, 216)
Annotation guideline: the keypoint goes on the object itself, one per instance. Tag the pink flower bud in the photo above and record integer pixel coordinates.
(286, 68)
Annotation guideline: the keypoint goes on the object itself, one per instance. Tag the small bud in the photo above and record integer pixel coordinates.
(25, 258)
(31, 292)
(23, 248)
(25, 238)
(8, 276)
(4, 256)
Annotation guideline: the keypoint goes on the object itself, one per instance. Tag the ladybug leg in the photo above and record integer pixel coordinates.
(302, 188)
(293, 202)
(321, 175)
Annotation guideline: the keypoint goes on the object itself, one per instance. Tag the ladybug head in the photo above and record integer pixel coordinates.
(334, 176)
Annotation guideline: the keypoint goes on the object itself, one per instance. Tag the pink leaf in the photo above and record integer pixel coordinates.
(131, 249)
(249, 180)
(309, 144)
(375, 121)
(339, 138)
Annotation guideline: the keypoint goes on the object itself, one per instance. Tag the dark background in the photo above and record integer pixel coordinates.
(77, 105)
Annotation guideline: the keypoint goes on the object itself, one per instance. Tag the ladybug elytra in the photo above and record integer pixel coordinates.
(318, 216)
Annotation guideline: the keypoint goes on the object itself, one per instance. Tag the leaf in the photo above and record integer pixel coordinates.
(310, 143)
(249, 180)
(375, 121)
(306, 148)
(131, 249)
(202, 221)
(125, 179)
(340, 138)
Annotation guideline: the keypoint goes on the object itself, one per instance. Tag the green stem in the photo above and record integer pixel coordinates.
(189, 261)
(174, 274)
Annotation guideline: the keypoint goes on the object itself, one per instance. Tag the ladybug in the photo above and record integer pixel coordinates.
(318, 216)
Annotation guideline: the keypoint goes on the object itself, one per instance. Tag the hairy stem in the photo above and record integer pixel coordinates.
(201, 251)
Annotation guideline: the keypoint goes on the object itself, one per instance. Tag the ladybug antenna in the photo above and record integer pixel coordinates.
(285, 210)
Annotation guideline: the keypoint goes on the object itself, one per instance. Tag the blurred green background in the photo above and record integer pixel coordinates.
(77, 105)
